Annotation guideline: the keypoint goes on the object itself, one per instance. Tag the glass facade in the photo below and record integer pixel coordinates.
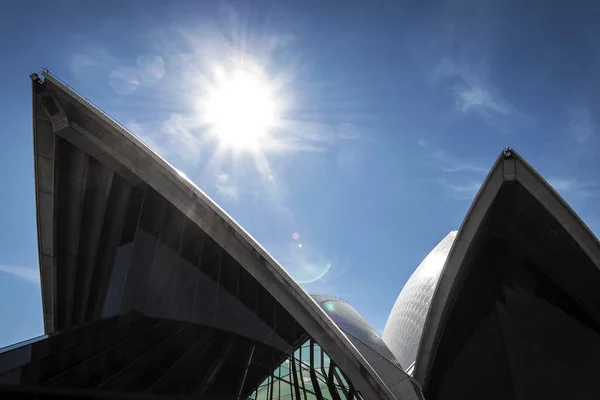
(306, 374)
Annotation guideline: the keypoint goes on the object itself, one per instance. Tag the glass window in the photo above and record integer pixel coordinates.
(132, 215)
(192, 242)
(153, 209)
(172, 228)
(286, 390)
(116, 285)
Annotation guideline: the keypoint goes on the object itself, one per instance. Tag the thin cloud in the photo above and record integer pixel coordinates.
(475, 97)
(226, 188)
(348, 131)
(29, 274)
(460, 179)
(149, 140)
(446, 163)
(573, 187)
(461, 191)
(473, 93)
(182, 135)
(178, 137)
(582, 125)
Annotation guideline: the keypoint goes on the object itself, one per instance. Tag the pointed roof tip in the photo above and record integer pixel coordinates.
(510, 166)
(508, 152)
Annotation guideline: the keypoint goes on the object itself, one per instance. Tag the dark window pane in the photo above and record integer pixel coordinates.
(266, 307)
(140, 270)
(284, 324)
(205, 298)
(211, 258)
(152, 212)
(116, 285)
(248, 289)
(162, 283)
(191, 245)
(172, 228)
(185, 285)
(230, 271)
(133, 214)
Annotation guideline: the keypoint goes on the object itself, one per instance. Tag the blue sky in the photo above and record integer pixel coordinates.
(390, 116)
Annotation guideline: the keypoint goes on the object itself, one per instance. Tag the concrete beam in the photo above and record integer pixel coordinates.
(95, 203)
(44, 166)
(72, 189)
(114, 217)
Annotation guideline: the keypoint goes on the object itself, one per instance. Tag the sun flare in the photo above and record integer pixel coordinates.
(241, 109)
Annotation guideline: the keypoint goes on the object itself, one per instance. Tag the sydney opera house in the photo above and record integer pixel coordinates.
(151, 291)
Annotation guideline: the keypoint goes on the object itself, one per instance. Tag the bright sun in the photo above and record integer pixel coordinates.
(241, 109)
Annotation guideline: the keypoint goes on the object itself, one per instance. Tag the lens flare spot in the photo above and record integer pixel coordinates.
(124, 80)
(304, 262)
(295, 236)
(329, 305)
(151, 69)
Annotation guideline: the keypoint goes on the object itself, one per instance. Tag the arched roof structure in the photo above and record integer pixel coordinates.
(518, 233)
(87, 169)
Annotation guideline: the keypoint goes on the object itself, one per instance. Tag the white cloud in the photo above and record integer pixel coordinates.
(446, 163)
(92, 63)
(478, 98)
(29, 274)
(582, 124)
(461, 191)
(182, 134)
(134, 128)
(348, 131)
(422, 142)
(460, 179)
(226, 188)
(472, 90)
(561, 184)
(573, 187)
(149, 140)
(124, 80)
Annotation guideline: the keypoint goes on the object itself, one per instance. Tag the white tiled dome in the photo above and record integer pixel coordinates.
(404, 326)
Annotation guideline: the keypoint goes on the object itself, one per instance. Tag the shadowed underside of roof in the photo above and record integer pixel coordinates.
(88, 171)
(519, 236)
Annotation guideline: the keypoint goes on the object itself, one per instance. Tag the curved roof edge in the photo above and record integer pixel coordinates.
(201, 209)
(369, 343)
(404, 325)
(508, 167)
(363, 324)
